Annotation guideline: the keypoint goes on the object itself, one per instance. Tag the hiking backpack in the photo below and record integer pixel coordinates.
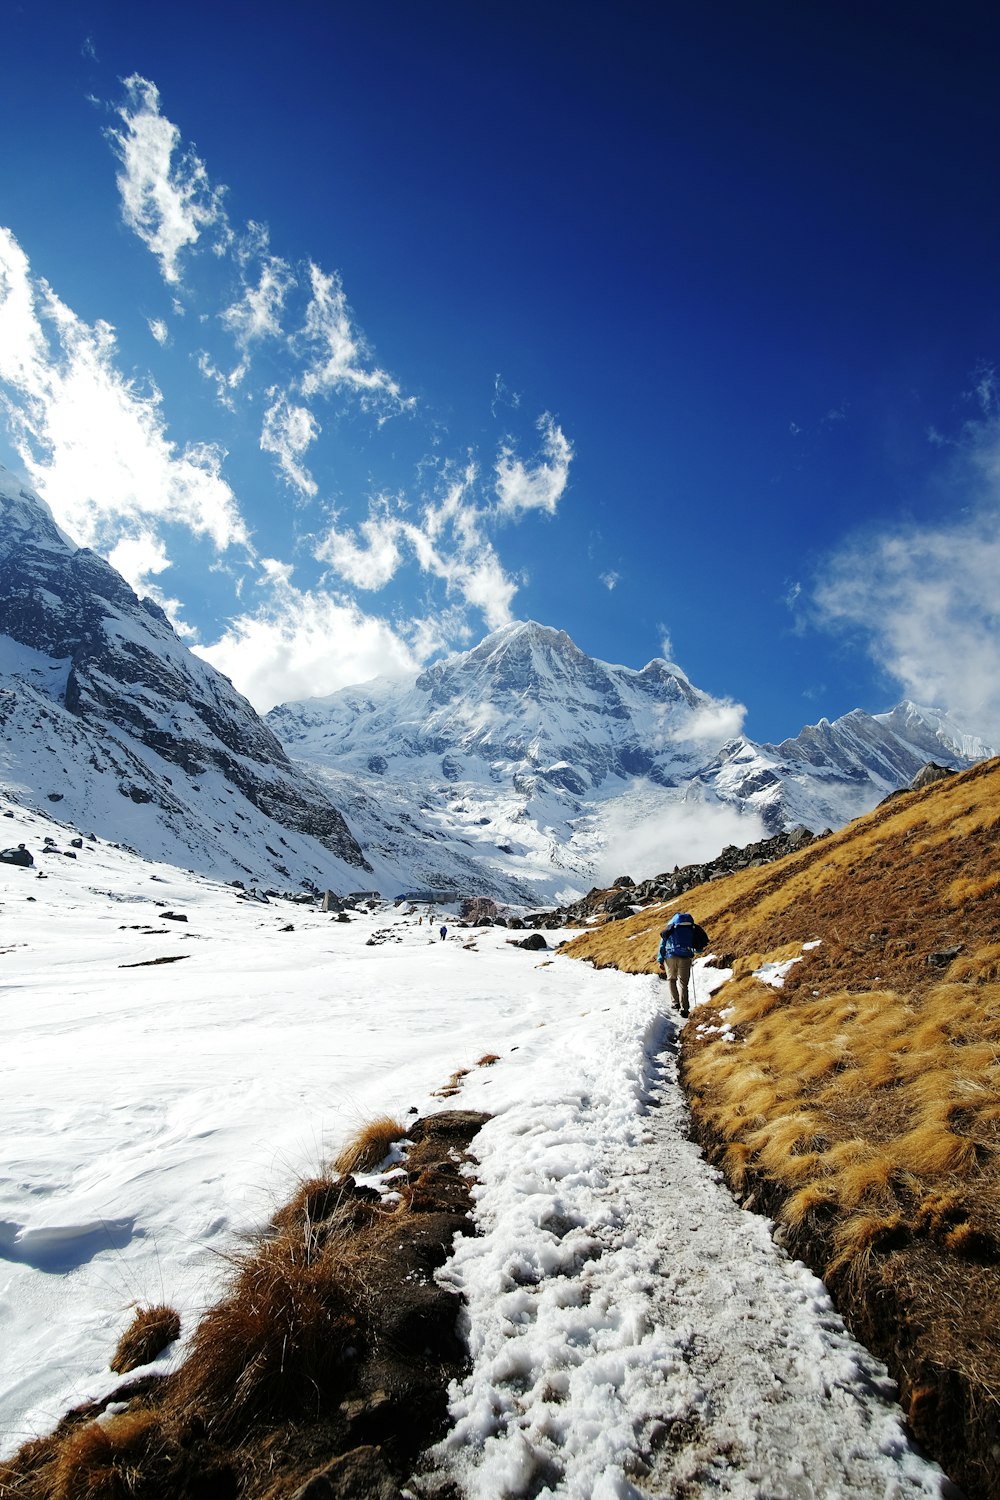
(683, 937)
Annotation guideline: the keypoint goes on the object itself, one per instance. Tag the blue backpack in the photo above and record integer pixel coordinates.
(682, 937)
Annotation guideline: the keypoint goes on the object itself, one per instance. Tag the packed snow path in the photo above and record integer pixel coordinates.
(165, 1084)
(634, 1332)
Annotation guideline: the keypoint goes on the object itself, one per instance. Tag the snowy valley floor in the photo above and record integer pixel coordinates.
(633, 1333)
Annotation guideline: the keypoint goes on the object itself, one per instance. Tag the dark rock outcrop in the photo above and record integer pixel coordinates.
(621, 899)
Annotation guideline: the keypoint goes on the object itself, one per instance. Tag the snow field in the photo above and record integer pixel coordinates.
(631, 1329)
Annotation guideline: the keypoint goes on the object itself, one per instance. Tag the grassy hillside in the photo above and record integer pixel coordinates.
(859, 1103)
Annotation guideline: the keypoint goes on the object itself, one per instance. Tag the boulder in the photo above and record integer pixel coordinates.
(930, 773)
(534, 942)
(18, 856)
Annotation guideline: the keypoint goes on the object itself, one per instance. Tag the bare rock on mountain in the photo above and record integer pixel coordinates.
(103, 675)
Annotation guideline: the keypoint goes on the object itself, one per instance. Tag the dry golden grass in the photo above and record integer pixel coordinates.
(369, 1148)
(148, 1334)
(861, 1102)
(109, 1460)
(277, 1343)
(453, 1086)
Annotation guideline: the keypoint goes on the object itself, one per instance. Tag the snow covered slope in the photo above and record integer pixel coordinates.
(107, 715)
(554, 770)
(832, 772)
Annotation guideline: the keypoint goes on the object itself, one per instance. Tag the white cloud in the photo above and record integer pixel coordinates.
(371, 562)
(226, 383)
(485, 585)
(303, 644)
(167, 198)
(94, 445)
(340, 357)
(287, 432)
(683, 833)
(611, 579)
(522, 487)
(711, 723)
(159, 330)
(257, 315)
(449, 543)
(927, 600)
(136, 557)
(139, 559)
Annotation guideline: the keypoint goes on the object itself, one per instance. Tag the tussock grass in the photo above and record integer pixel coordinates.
(331, 1336)
(277, 1343)
(109, 1460)
(860, 1102)
(453, 1086)
(368, 1149)
(150, 1332)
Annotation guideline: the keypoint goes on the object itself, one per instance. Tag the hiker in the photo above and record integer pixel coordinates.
(444, 933)
(680, 940)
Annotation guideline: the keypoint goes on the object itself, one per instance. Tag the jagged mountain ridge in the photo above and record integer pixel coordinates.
(535, 756)
(508, 770)
(527, 702)
(107, 714)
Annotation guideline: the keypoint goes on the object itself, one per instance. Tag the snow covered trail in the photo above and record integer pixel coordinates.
(165, 1083)
(634, 1332)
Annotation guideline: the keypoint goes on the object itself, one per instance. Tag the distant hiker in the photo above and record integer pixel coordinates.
(680, 940)
(444, 933)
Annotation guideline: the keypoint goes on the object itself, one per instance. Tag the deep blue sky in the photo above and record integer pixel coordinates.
(744, 257)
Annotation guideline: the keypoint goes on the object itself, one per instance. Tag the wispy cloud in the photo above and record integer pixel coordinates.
(678, 834)
(257, 313)
(711, 724)
(370, 557)
(140, 559)
(925, 598)
(338, 355)
(451, 538)
(611, 580)
(288, 431)
(167, 198)
(93, 444)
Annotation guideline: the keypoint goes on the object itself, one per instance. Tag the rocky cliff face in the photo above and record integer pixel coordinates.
(103, 705)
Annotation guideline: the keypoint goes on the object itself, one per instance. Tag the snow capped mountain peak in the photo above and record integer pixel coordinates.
(542, 764)
(25, 513)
